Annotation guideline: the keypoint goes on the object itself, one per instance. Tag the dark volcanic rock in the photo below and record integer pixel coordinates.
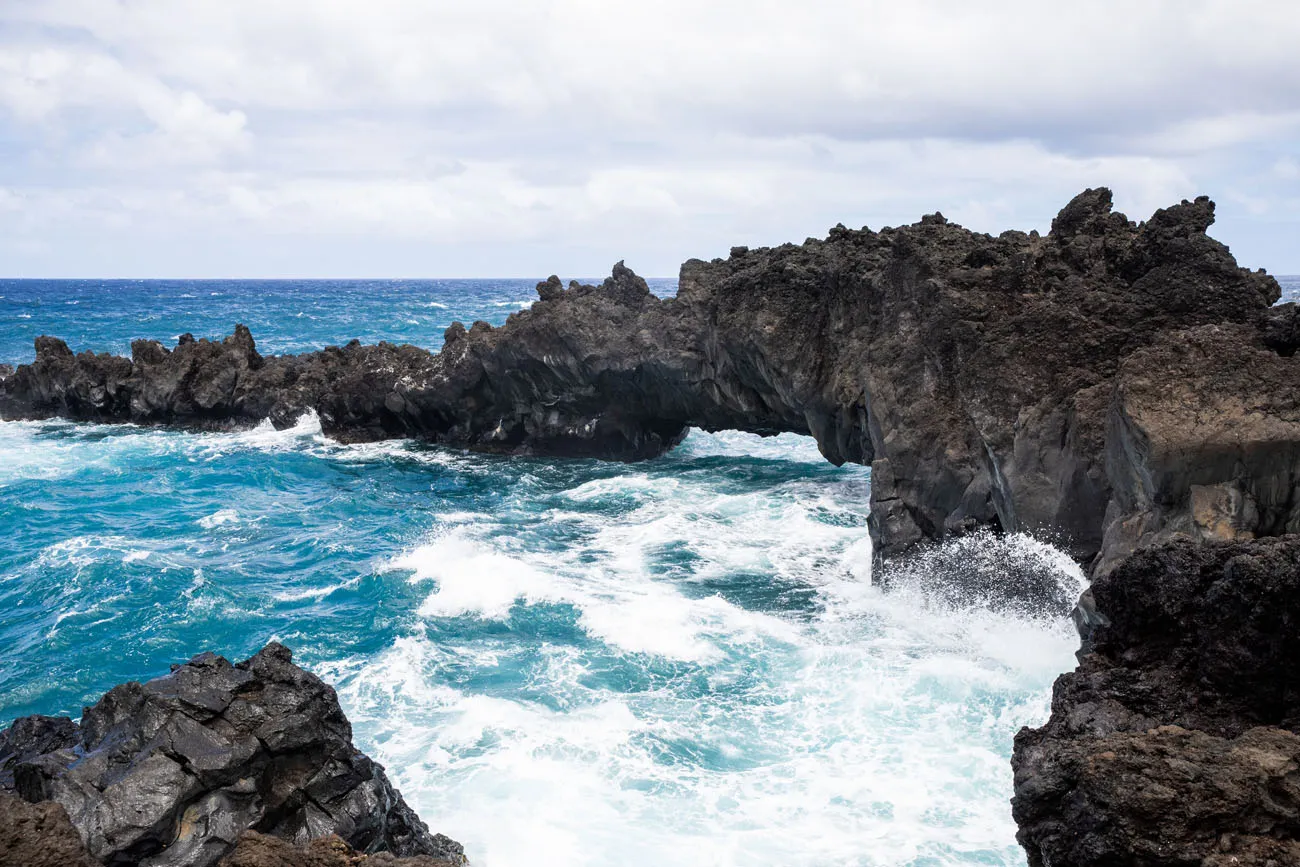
(173, 771)
(1175, 741)
(30, 738)
(39, 835)
(977, 374)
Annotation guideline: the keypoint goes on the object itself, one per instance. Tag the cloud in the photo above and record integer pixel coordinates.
(564, 134)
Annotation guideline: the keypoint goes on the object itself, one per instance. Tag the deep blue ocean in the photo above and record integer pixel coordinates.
(560, 662)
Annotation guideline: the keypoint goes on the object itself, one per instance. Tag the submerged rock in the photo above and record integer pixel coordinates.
(997, 382)
(174, 771)
(1177, 739)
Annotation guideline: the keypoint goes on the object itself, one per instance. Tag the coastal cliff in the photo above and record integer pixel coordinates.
(1017, 382)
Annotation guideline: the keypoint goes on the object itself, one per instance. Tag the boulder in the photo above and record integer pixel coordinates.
(175, 770)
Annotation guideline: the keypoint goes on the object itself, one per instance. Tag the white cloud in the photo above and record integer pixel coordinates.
(500, 134)
(1287, 169)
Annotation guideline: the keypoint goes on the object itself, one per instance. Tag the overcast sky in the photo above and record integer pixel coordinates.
(479, 138)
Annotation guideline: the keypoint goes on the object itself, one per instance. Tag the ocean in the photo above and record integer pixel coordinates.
(560, 662)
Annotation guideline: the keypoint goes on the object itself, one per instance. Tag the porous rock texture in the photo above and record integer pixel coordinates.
(39, 835)
(1176, 742)
(173, 771)
(1011, 382)
(262, 850)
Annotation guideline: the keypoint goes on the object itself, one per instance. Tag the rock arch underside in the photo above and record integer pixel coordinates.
(1123, 388)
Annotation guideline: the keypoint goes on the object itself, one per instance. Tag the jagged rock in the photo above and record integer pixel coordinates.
(261, 850)
(30, 738)
(1175, 741)
(977, 374)
(173, 771)
(39, 835)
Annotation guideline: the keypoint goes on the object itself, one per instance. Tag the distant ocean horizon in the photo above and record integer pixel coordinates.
(284, 315)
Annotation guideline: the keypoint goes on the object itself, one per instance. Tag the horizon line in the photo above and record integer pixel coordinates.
(394, 279)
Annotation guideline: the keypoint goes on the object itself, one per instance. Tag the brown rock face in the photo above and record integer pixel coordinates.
(39, 835)
(1011, 382)
(260, 850)
(1204, 441)
(1175, 742)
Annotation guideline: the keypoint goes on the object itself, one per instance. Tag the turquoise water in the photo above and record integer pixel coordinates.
(560, 662)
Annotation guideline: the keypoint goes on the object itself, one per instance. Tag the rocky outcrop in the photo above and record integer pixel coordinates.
(991, 382)
(261, 850)
(174, 771)
(1177, 739)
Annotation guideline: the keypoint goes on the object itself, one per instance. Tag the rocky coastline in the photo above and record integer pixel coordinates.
(1050, 385)
(202, 766)
(1123, 388)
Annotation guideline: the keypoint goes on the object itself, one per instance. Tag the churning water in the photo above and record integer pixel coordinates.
(560, 662)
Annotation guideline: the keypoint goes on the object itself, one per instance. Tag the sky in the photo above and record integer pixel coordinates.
(314, 138)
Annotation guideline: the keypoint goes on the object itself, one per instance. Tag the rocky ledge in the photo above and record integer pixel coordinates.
(249, 762)
(1176, 742)
(1055, 384)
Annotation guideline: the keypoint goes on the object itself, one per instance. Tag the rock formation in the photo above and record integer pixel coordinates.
(1177, 739)
(1017, 382)
(173, 771)
(261, 850)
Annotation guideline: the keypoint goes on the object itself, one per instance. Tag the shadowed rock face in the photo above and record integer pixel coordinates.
(173, 771)
(1177, 739)
(1000, 382)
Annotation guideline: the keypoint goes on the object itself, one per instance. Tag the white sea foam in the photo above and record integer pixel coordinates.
(869, 727)
(472, 579)
(313, 592)
(219, 518)
(702, 718)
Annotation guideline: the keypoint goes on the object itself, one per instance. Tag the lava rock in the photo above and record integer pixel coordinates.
(1203, 441)
(1175, 741)
(261, 850)
(173, 771)
(39, 835)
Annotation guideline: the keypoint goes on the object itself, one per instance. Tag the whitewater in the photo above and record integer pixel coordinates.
(560, 662)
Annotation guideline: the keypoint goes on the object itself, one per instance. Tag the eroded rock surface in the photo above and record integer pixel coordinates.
(39, 835)
(173, 771)
(1177, 739)
(262, 850)
(989, 381)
